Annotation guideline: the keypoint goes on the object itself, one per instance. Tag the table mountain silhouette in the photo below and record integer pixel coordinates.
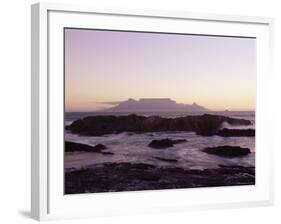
(154, 105)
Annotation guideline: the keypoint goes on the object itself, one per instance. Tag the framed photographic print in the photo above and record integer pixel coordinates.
(148, 111)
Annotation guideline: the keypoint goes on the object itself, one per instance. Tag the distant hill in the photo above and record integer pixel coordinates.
(154, 105)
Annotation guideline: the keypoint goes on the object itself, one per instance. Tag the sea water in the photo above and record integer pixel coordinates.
(133, 148)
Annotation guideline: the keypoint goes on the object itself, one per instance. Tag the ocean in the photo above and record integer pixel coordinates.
(131, 147)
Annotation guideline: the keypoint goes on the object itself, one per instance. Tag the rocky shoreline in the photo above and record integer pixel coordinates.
(166, 172)
(116, 177)
(205, 125)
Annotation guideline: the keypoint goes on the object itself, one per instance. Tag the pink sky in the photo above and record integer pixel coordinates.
(216, 72)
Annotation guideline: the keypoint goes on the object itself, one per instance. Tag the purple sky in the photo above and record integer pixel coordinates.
(216, 72)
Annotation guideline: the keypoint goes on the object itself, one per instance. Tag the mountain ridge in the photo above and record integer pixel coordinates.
(154, 105)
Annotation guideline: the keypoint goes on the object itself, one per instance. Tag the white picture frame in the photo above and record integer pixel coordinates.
(48, 201)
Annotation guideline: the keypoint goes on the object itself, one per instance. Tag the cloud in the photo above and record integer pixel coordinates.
(110, 102)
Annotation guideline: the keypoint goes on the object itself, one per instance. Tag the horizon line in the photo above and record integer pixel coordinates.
(206, 112)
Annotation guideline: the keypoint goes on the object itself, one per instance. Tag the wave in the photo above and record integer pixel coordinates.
(229, 126)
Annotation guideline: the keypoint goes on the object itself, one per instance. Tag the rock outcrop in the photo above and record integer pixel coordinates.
(164, 143)
(236, 132)
(227, 151)
(78, 147)
(205, 125)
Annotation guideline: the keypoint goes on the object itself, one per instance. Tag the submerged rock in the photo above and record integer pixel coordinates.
(164, 143)
(78, 147)
(161, 144)
(206, 124)
(166, 160)
(236, 132)
(227, 151)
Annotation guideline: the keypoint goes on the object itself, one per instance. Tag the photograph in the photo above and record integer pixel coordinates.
(157, 110)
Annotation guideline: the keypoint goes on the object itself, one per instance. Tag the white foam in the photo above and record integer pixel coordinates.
(229, 126)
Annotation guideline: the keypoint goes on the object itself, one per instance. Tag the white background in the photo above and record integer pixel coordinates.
(15, 111)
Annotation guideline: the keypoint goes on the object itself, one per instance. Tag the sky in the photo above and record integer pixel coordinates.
(103, 66)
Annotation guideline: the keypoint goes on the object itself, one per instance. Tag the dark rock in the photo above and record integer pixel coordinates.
(166, 160)
(161, 144)
(164, 143)
(73, 147)
(147, 176)
(115, 177)
(99, 147)
(227, 151)
(142, 166)
(236, 132)
(236, 169)
(209, 124)
(206, 124)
